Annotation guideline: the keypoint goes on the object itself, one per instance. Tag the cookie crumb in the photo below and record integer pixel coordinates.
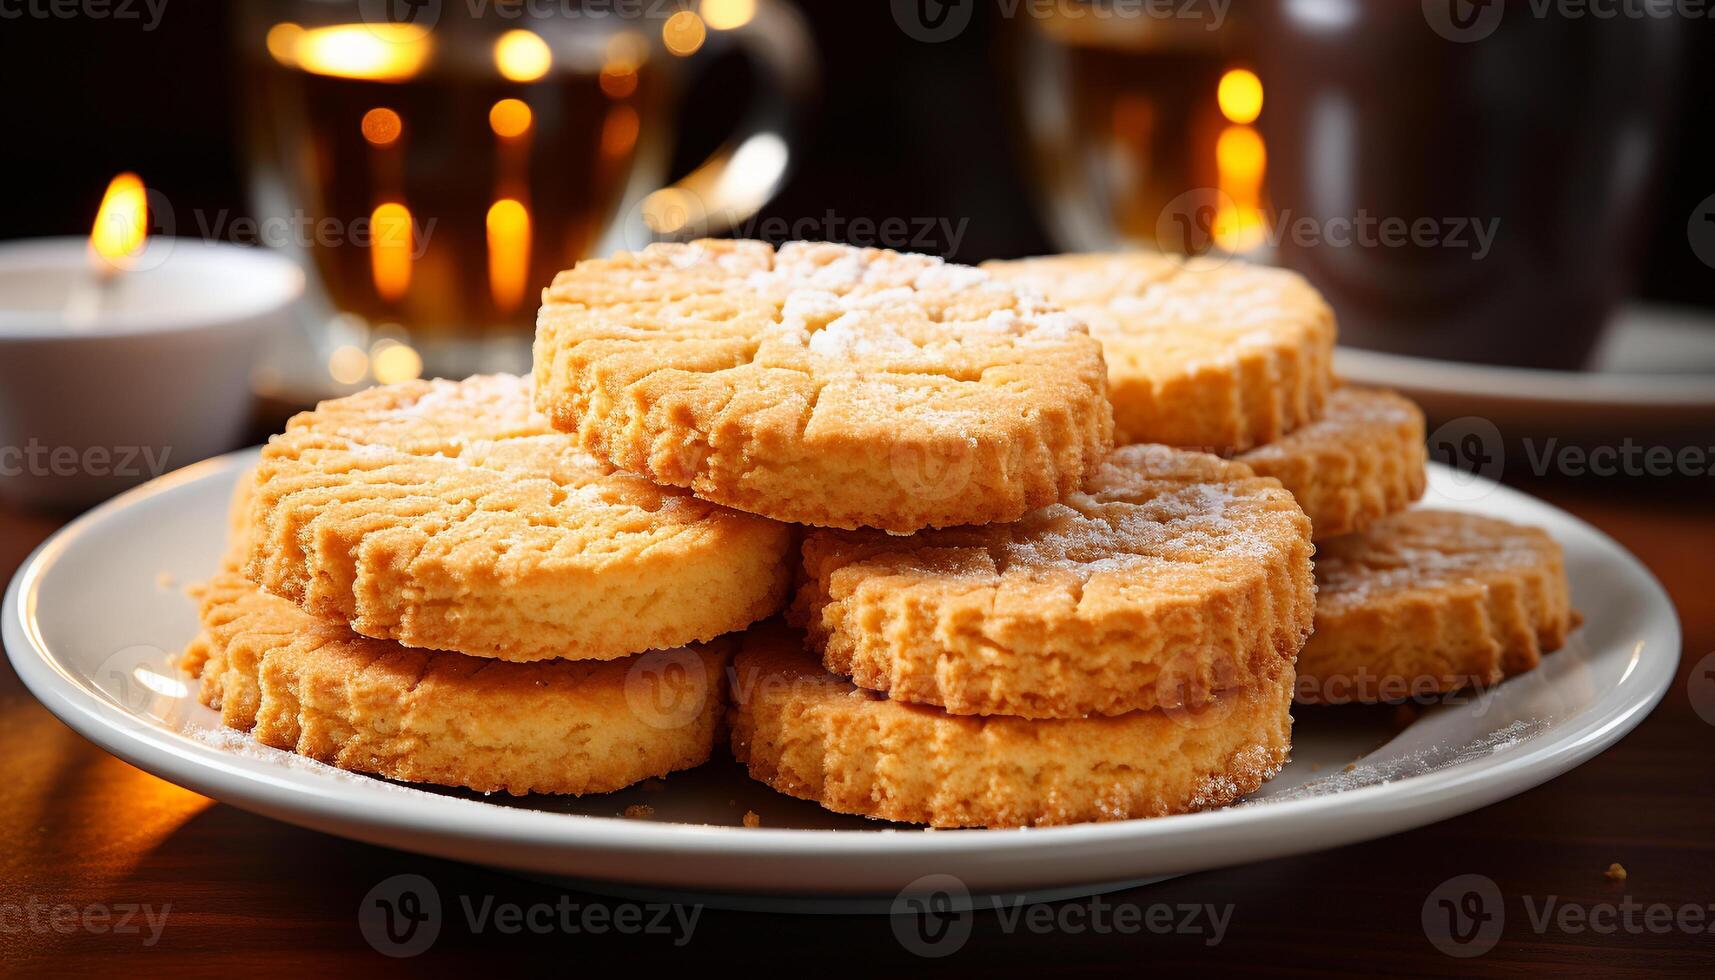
(639, 811)
(1616, 871)
(753, 819)
(165, 581)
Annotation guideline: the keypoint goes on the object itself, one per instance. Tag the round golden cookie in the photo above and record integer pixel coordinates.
(810, 734)
(1172, 577)
(1362, 460)
(824, 384)
(449, 516)
(313, 687)
(1217, 356)
(1430, 601)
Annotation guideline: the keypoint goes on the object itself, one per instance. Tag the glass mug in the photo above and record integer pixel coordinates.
(438, 161)
(1138, 126)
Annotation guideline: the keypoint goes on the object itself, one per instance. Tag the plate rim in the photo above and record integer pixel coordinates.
(1580, 389)
(1388, 807)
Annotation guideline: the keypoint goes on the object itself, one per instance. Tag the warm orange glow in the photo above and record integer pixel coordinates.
(283, 41)
(121, 223)
(1241, 160)
(378, 52)
(347, 364)
(726, 15)
(509, 118)
(618, 82)
(393, 362)
(683, 33)
(619, 131)
(390, 250)
(1240, 96)
(522, 56)
(508, 253)
(1240, 156)
(668, 210)
(382, 126)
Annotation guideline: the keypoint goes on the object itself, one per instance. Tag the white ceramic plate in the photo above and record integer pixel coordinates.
(1652, 377)
(92, 619)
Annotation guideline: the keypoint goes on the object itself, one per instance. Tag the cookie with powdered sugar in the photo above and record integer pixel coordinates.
(1201, 354)
(1171, 578)
(1430, 601)
(450, 516)
(824, 384)
(1362, 460)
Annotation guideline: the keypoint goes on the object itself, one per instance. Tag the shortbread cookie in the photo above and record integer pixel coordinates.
(824, 384)
(1218, 356)
(1362, 460)
(1429, 601)
(313, 687)
(449, 516)
(810, 734)
(1172, 577)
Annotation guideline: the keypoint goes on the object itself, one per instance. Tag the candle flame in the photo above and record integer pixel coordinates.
(390, 250)
(508, 252)
(121, 224)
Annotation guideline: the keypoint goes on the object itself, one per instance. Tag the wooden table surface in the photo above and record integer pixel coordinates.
(240, 892)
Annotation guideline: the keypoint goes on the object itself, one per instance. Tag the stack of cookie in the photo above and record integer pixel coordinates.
(992, 617)
(1236, 359)
(429, 583)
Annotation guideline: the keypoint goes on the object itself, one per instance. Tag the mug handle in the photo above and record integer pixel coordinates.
(744, 172)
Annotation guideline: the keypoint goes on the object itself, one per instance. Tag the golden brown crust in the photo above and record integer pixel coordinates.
(449, 516)
(810, 734)
(1430, 601)
(1201, 354)
(1173, 577)
(1361, 461)
(315, 688)
(825, 384)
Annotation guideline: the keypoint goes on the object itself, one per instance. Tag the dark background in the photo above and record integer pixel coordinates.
(905, 129)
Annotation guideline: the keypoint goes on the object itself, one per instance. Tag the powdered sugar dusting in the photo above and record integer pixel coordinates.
(1417, 763)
